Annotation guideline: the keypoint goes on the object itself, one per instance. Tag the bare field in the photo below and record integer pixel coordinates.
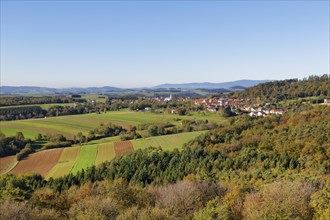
(41, 162)
(123, 147)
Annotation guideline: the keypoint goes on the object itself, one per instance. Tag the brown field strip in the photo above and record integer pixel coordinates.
(123, 147)
(5, 162)
(41, 162)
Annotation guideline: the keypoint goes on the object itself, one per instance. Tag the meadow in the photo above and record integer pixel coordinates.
(72, 124)
(167, 142)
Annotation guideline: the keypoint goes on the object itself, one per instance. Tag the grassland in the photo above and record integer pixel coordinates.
(72, 124)
(167, 142)
(86, 158)
(65, 163)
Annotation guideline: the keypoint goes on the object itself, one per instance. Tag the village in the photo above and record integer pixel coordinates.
(215, 104)
(239, 106)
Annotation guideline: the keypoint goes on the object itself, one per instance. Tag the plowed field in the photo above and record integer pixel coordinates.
(41, 162)
(123, 147)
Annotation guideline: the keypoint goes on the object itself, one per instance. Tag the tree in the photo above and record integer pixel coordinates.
(226, 112)
(19, 136)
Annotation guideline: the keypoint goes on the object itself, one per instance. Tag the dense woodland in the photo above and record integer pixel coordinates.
(276, 167)
(23, 112)
(30, 100)
(289, 89)
(28, 112)
(12, 145)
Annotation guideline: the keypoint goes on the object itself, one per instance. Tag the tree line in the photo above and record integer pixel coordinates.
(30, 100)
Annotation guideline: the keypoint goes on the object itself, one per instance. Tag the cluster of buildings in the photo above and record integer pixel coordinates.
(214, 104)
(239, 106)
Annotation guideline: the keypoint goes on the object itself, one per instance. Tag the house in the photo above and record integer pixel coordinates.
(326, 100)
(147, 109)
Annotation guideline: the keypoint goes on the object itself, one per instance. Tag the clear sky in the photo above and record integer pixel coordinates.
(133, 44)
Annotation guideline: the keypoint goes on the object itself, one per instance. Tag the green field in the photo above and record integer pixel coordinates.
(72, 124)
(105, 152)
(86, 158)
(167, 142)
(65, 163)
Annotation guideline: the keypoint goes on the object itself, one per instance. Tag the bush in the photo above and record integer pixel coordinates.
(24, 152)
(57, 145)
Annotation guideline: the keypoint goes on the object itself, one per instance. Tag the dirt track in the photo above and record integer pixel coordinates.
(40, 162)
(123, 147)
(5, 161)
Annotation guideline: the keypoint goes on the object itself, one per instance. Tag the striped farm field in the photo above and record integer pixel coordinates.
(65, 163)
(123, 147)
(62, 161)
(41, 162)
(167, 142)
(6, 163)
(105, 152)
(86, 158)
(72, 124)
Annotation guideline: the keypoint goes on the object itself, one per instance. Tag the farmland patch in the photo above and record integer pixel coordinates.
(105, 152)
(167, 142)
(41, 162)
(86, 158)
(123, 147)
(65, 163)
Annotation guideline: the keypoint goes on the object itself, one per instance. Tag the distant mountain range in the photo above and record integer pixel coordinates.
(207, 85)
(224, 87)
(45, 90)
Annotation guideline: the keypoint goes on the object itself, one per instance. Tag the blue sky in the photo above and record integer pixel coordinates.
(133, 44)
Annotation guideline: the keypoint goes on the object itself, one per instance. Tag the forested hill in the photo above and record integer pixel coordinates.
(289, 89)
